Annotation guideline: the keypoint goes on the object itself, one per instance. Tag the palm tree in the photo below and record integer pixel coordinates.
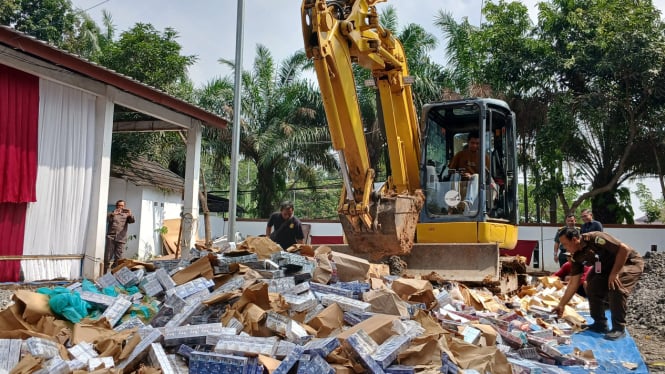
(283, 129)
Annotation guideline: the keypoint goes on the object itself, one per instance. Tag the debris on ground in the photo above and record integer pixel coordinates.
(256, 308)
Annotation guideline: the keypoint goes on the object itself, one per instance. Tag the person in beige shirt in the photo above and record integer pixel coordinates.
(465, 165)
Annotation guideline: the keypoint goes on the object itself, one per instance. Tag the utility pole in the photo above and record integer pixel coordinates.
(237, 110)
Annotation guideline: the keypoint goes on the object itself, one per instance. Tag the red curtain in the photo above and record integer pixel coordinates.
(12, 225)
(19, 114)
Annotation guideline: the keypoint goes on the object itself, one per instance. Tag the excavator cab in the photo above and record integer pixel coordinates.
(477, 192)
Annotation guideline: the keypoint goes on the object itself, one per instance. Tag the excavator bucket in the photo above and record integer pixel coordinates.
(394, 221)
(463, 262)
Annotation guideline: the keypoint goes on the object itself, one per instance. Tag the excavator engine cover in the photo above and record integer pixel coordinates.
(394, 220)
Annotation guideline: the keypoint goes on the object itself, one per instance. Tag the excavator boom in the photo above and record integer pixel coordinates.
(336, 35)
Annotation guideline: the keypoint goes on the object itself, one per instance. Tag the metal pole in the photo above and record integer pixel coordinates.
(235, 143)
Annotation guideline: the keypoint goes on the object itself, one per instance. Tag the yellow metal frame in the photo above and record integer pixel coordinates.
(468, 232)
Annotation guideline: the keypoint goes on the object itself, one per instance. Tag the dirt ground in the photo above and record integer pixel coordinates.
(652, 346)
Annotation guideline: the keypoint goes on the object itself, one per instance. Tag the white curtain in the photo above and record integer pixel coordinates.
(57, 223)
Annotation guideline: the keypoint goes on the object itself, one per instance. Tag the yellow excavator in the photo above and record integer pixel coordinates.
(437, 216)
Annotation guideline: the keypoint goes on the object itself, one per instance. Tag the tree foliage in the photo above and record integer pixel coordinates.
(282, 127)
(592, 69)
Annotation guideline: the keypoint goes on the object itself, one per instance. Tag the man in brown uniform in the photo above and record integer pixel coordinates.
(467, 163)
(616, 268)
(116, 233)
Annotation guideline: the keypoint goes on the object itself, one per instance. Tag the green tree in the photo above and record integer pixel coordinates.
(282, 127)
(149, 56)
(154, 58)
(52, 21)
(594, 77)
(653, 208)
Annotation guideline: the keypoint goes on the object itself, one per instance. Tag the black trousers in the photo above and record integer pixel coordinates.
(600, 295)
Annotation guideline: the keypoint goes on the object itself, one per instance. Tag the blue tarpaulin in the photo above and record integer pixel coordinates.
(610, 354)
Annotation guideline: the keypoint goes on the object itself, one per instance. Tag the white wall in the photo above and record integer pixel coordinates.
(639, 237)
(258, 227)
(156, 206)
(143, 239)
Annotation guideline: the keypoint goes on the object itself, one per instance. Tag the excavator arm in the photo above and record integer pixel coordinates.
(338, 34)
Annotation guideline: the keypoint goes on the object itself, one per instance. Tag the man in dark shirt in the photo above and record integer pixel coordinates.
(616, 269)
(560, 249)
(590, 224)
(288, 229)
(116, 233)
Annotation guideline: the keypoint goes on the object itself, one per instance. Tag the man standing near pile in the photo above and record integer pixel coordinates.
(616, 268)
(288, 229)
(560, 249)
(116, 233)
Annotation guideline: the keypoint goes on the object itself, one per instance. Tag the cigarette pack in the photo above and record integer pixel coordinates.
(10, 351)
(289, 360)
(400, 369)
(279, 285)
(126, 277)
(194, 334)
(325, 289)
(165, 279)
(115, 312)
(302, 302)
(318, 308)
(151, 288)
(183, 317)
(277, 322)
(100, 362)
(298, 289)
(284, 347)
(347, 304)
(107, 280)
(40, 347)
(322, 346)
(185, 351)
(98, 299)
(83, 351)
(130, 324)
(239, 344)
(191, 287)
(361, 346)
(225, 259)
(388, 351)
(158, 358)
(213, 363)
(141, 349)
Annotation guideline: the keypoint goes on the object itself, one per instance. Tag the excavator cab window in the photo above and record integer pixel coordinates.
(482, 137)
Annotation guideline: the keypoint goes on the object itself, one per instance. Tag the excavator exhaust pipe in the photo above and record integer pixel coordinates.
(394, 219)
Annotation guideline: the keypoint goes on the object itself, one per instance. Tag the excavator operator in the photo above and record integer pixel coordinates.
(465, 165)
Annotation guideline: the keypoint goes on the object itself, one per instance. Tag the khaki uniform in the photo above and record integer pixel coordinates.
(603, 247)
(116, 237)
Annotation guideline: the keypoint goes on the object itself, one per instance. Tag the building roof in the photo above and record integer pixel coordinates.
(146, 173)
(44, 51)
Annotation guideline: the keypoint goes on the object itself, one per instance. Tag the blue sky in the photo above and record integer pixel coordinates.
(207, 28)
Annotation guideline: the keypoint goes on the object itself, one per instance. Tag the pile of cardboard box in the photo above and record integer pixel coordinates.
(259, 309)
